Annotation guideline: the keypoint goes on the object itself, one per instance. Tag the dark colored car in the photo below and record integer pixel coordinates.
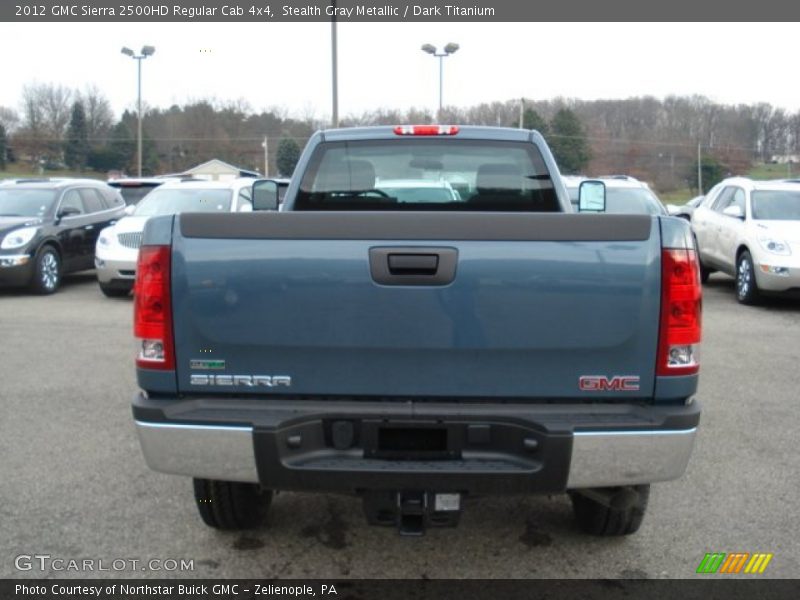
(134, 189)
(50, 227)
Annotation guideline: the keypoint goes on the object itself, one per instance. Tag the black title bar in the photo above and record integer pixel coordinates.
(416, 11)
(709, 588)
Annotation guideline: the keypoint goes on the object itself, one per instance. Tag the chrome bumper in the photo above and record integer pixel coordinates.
(599, 459)
(206, 451)
(603, 459)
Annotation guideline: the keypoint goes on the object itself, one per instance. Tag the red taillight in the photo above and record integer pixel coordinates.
(679, 331)
(426, 130)
(152, 314)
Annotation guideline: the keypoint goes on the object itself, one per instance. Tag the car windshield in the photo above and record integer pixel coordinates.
(487, 176)
(632, 201)
(172, 201)
(19, 202)
(776, 205)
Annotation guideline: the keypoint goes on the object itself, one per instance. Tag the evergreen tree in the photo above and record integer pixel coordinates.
(568, 142)
(287, 156)
(533, 120)
(76, 148)
(122, 148)
(713, 171)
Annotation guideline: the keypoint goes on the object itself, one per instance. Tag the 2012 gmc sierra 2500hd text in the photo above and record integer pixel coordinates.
(415, 348)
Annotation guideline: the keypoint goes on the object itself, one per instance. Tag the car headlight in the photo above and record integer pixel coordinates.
(103, 240)
(774, 246)
(18, 238)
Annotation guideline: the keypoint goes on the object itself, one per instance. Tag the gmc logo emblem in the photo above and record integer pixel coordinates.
(600, 383)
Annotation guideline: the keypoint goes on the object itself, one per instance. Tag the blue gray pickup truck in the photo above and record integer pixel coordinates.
(424, 320)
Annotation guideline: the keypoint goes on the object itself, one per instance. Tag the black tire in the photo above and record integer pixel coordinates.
(704, 273)
(230, 504)
(597, 519)
(746, 285)
(114, 292)
(47, 271)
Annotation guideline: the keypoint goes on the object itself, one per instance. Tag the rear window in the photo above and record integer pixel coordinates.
(632, 201)
(483, 176)
(132, 194)
(172, 201)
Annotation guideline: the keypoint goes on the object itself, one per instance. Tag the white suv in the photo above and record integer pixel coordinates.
(118, 246)
(624, 195)
(751, 230)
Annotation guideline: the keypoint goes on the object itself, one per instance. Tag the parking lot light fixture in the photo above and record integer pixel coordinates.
(146, 51)
(447, 51)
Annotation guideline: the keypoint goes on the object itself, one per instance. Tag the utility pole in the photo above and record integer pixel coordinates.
(265, 143)
(699, 172)
(521, 112)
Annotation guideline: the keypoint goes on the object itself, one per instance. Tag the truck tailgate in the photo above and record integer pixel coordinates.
(534, 302)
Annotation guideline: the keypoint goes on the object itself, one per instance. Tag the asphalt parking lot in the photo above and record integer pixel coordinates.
(75, 485)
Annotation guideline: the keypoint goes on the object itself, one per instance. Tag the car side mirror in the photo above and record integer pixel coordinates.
(592, 196)
(265, 195)
(129, 209)
(68, 211)
(733, 211)
(672, 209)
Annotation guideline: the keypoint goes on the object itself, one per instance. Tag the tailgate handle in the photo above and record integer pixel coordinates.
(413, 265)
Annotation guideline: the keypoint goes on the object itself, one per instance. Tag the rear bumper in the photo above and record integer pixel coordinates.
(489, 448)
(110, 271)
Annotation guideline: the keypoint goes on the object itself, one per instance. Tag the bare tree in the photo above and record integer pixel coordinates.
(45, 114)
(9, 119)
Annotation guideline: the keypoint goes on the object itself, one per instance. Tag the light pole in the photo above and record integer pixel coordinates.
(146, 51)
(448, 50)
(334, 69)
(265, 145)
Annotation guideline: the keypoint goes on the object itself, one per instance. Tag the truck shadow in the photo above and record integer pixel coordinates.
(499, 536)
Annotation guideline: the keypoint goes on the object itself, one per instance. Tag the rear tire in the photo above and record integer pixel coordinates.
(704, 274)
(47, 271)
(597, 519)
(230, 504)
(746, 285)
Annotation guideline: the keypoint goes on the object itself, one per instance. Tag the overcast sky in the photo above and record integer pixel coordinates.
(288, 65)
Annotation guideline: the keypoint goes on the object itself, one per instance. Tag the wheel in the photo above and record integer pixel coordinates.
(114, 292)
(47, 271)
(230, 504)
(746, 286)
(704, 273)
(596, 518)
